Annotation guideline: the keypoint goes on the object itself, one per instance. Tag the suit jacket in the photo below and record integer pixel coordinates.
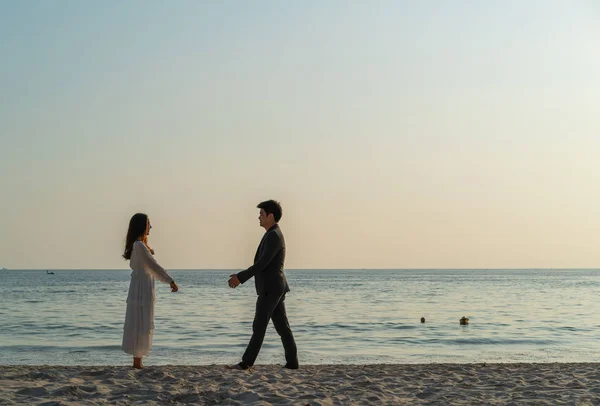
(268, 264)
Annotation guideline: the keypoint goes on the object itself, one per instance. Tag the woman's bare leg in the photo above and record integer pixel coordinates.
(137, 363)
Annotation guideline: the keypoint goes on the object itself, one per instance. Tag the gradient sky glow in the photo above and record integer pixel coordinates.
(396, 134)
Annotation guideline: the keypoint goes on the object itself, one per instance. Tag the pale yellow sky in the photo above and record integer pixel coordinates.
(395, 136)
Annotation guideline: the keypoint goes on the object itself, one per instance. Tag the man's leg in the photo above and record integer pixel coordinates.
(280, 321)
(264, 310)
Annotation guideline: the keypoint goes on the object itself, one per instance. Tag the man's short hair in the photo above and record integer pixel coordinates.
(272, 207)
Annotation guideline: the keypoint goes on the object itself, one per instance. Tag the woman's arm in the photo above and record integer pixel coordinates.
(157, 270)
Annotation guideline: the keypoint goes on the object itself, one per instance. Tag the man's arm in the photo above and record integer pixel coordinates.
(271, 248)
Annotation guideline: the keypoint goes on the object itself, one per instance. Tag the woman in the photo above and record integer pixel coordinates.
(139, 318)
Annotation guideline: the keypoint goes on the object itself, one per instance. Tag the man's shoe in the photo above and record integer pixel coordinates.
(240, 366)
(290, 366)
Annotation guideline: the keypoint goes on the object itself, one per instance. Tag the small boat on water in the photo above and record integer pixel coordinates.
(49, 273)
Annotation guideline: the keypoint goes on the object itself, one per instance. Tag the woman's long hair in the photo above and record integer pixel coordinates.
(136, 231)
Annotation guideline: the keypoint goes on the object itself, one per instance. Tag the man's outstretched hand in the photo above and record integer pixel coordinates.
(233, 281)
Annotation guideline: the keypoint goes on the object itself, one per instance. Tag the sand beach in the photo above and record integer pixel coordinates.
(382, 384)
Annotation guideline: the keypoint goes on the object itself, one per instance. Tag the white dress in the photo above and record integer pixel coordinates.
(139, 317)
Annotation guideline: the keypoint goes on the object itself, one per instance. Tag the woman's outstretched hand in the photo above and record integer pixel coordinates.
(174, 287)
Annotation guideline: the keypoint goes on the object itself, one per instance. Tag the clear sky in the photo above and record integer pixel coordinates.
(396, 134)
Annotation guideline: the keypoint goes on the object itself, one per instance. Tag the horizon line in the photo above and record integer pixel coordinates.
(310, 269)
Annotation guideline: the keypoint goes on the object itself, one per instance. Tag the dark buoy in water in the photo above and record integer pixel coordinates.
(464, 321)
(422, 319)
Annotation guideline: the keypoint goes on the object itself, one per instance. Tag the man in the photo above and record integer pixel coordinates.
(271, 287)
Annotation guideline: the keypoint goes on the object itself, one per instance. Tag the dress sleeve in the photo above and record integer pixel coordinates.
(149, 261)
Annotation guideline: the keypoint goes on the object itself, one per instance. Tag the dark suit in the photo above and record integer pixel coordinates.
(271, 287)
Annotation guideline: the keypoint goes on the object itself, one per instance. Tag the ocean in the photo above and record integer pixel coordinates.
(75, 317)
